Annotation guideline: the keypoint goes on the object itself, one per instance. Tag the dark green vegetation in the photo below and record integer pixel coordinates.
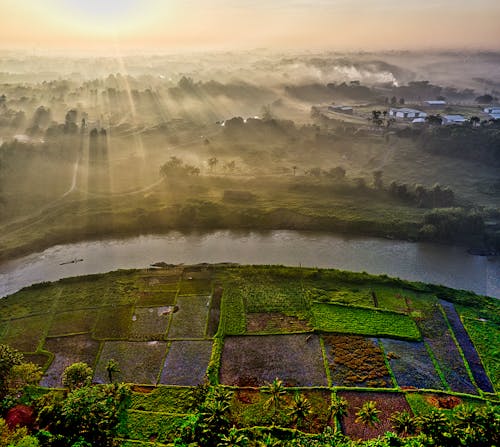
(202, 346)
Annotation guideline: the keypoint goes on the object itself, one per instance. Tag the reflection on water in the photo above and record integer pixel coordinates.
(451, 266)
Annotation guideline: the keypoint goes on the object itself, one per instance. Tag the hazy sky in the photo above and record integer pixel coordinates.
(226, 24)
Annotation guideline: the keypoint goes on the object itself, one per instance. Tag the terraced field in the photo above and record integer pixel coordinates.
(175, 330)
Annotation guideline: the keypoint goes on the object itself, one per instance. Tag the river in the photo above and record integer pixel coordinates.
(439, 264)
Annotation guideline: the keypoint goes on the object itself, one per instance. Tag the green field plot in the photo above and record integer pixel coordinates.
(411, 364)
(68, 350)
(157, 298)
(25, 334)
(164, 399)
(363, 321)
(139, 362)
(257, 360)
(233, 318)
(195, 287)
(150, 427)
(113, 323)
(356, 361)
(65, 323)
(386, 403)
(150, 323)
(190, 321)
(249, 409)
(117, 288)
(186, 363)
(273, 297)
(486, 338)
(30, 301)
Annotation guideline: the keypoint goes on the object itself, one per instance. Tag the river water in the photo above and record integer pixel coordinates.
(439, 264)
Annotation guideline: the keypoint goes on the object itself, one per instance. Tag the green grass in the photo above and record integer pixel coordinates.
(147, 426)
(165, 400)
(113, 323)
(233, 320)
(363, 321)
(72, 322)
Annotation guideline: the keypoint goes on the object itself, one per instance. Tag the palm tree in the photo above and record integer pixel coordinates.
(276, 390)
(294, 170)
(112, 368)
(404, 423)
(337, 410)
(368, 414)
(436, 426)
(233, 439)
(301, 409)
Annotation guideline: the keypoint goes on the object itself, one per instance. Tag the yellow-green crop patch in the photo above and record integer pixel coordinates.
(363, 321)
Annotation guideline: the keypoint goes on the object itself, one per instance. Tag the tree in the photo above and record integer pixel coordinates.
(212, 163)
(404, 423)
(337, 410)
(112, 367)
(402, 101)
(276, 392)
(368, 414)
(475, 121)
(92, 413)
(436, 427)
(434, 120)
(233, 439)
(9, 357)
(294, 168)
(77, 375)
(25, 374)
(300, 410)
(484, 99)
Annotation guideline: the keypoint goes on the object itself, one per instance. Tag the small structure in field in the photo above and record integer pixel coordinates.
(453, 119)
(406, 114)
(418, 121)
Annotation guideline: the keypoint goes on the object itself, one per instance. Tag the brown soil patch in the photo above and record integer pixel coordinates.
(444, 402)
(275, 322)
(356, 361)
(387, 403)
(257, 360)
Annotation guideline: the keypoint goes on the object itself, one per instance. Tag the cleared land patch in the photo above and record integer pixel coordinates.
(190, 321)
(25, 334)
(113, 323)
(387, 403)
(139, 362)
(470, 353)
(275, 322)
(356, 361)
(150, 323)
(68, 350)
(186, 363)
(411, 364)
(257, 360)
(65, 323)
(436, 333)
(363, 321)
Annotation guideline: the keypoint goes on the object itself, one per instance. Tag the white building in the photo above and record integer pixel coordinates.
(453, 119)
(490, 110)
(406, 114)
(435, 103)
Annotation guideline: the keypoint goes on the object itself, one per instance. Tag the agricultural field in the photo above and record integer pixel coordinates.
(178, 332)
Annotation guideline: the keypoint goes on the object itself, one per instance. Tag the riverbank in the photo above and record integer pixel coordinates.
(79, 220)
